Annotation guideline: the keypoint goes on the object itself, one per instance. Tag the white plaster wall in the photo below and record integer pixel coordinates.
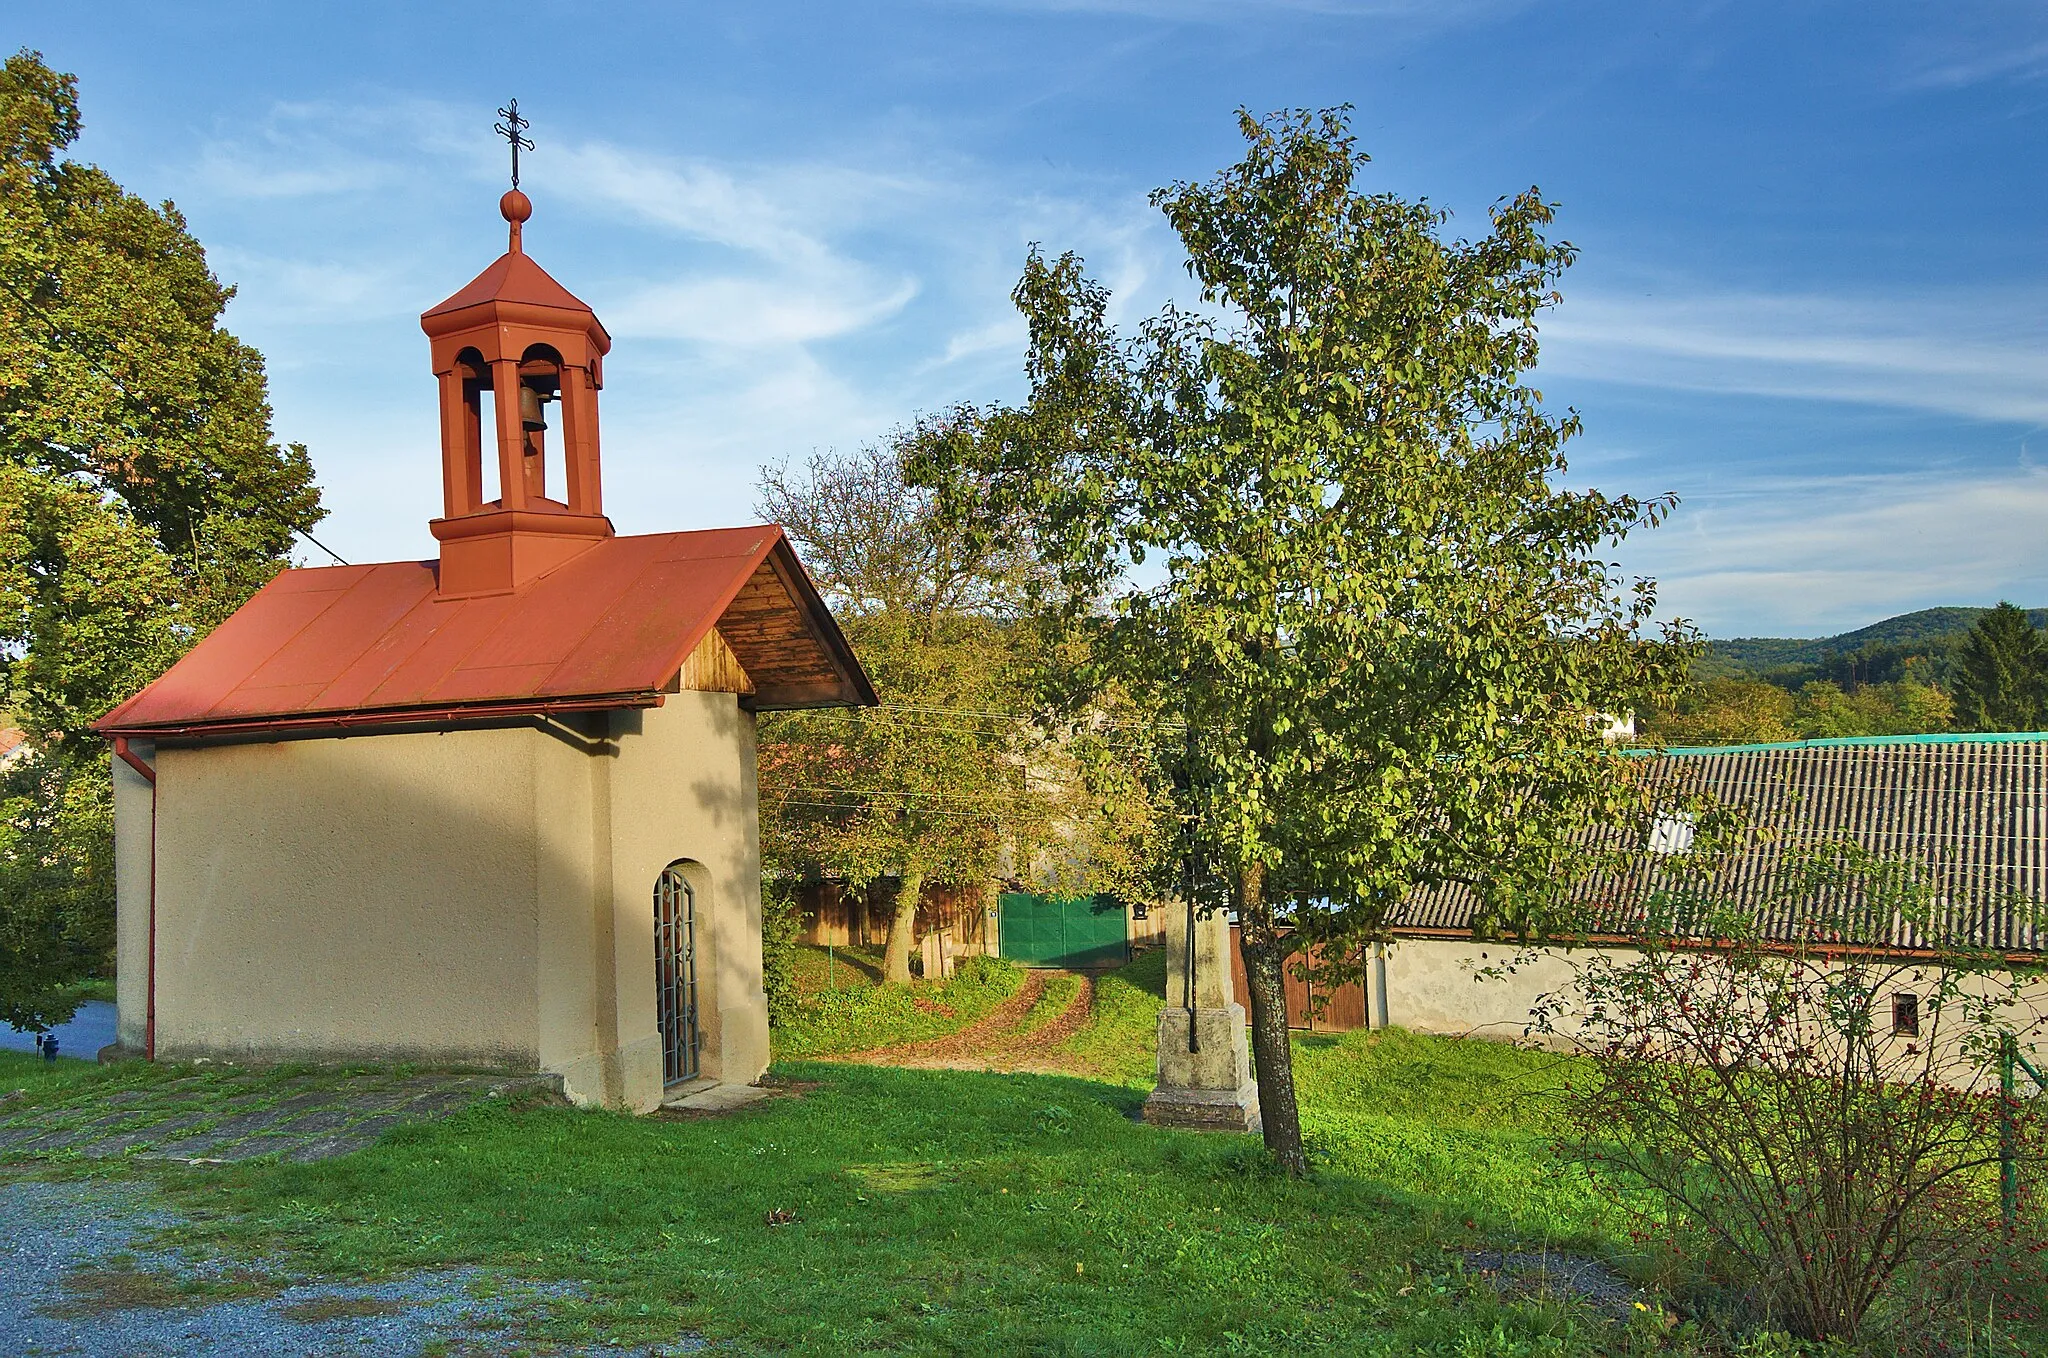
(1438, 986)
(571, 827)
(1435, 986)
(473, 896)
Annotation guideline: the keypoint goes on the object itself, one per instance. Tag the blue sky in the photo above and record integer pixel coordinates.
(1812, 298)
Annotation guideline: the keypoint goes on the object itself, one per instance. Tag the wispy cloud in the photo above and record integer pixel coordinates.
(819, 305)
(2026, 62)
(300, 291)
(776, 275)
(318, 148)
(1983, 355)
(780, 210)
(1808, 558)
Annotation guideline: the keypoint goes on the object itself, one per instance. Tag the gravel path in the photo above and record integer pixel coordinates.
(1555, 1272)
(78, 1276)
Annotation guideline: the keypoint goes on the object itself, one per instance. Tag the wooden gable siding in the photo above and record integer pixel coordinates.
(778, 644)
(713, 668)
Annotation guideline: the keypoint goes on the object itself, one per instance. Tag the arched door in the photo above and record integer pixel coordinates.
(675, 973)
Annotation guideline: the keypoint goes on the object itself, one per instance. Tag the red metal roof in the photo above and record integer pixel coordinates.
(512, 278)
(610, 628)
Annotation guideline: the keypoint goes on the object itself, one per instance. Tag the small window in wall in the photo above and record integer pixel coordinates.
(1671, 834)
(1906, 1015)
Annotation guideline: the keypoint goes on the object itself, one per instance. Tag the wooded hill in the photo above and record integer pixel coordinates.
(1919, 646)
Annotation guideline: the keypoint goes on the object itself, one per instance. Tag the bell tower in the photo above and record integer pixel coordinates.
(520, 361)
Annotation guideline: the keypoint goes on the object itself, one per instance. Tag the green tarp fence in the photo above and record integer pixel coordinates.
(1063, 931)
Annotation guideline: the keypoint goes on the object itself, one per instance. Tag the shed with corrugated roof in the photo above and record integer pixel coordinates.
(1968, 811)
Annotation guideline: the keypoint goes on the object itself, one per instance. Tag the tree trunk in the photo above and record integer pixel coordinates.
(1265, 963)
(902, 924)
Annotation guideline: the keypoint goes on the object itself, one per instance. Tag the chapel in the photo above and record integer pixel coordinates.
(496, 808)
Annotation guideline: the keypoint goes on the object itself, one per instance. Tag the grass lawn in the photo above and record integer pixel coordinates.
(850, 967)
(942, 1211)
(1119, 1041)
(947, 1211)
(861, 1014)
(25, 1074)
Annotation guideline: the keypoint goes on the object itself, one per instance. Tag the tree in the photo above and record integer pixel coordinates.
(1729, 711)
(2001, 678)
(1812, 1112)
(1824, 710)
(1724, 711)
(947, 781)
(1320, 523)
(142, 500)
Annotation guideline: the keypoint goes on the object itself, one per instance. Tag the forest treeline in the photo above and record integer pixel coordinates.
(1940, 669)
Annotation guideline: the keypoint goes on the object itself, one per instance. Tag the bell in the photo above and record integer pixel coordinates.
(531, 418)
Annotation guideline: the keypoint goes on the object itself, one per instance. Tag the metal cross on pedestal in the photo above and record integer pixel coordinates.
(512, 130)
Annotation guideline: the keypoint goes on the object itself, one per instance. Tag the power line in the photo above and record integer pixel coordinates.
(65, 342)
(928, 811)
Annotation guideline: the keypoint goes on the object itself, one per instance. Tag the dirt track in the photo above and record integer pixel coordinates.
(999, 1040)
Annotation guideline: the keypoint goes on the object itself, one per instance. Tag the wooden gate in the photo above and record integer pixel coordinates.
(1337, 1010)
(675, 973)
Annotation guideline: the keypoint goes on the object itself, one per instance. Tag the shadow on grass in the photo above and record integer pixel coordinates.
(878, 1208)
(819, 968)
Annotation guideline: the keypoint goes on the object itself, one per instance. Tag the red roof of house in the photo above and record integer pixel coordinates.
(342, 645)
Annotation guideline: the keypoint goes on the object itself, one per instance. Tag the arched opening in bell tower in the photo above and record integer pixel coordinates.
(479, 414)
(540, 386)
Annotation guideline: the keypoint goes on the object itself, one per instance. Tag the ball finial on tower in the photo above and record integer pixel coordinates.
(515, 207)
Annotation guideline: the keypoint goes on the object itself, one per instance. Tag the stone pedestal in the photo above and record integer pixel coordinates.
(1209, 1088)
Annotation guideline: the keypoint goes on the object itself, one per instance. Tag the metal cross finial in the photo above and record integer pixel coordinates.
(511, 130)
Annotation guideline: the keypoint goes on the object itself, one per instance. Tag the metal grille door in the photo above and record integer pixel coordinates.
(675, 973)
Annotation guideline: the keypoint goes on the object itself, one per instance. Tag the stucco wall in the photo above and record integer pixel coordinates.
(1436, 986)
(1454, 987)
(472, 896)
(691, 761)
(132, 840)
(373, 896)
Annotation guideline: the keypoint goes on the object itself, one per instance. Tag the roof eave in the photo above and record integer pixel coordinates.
(441, 714)
(825, 628)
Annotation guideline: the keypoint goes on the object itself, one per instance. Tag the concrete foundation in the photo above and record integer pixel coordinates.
(1204, 1084)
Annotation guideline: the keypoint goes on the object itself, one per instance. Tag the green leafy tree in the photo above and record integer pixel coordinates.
(947, 781)
(1321, 522)
(2001, 674)
(142, 500)
(1728, 711)
(1824, 709)
(1724, 711)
